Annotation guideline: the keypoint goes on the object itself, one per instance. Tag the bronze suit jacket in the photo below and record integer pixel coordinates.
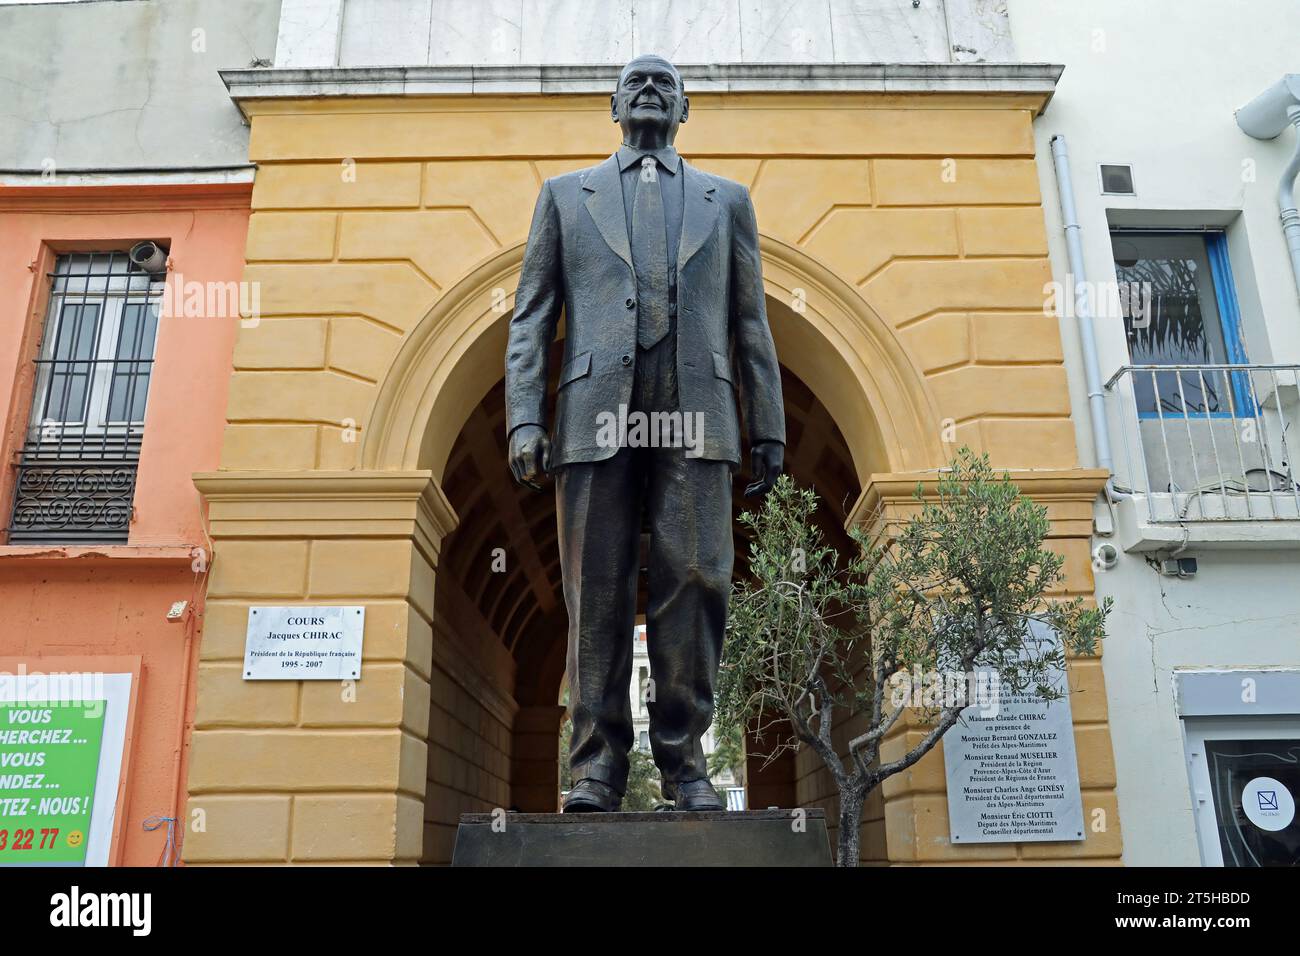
(578, 259)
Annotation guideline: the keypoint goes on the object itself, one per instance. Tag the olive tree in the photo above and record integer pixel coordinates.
(817, 638)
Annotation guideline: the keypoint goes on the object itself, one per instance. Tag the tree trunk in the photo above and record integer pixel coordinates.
(851, 801)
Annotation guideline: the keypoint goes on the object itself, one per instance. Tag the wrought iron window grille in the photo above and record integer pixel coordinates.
(76, 478)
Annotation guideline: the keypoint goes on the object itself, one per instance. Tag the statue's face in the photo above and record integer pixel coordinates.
(649, 99)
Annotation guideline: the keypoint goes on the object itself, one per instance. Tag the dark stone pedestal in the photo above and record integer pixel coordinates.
(745, 838)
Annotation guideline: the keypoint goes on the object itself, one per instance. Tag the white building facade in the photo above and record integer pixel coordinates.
(1202, 661)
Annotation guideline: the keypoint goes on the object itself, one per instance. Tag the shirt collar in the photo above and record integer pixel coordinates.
(629, 156)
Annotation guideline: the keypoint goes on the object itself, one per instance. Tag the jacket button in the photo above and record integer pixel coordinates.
(631, 303)
(627, 360)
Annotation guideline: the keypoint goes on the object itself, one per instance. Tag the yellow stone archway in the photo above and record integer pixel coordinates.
(910, 304)
(851, 358)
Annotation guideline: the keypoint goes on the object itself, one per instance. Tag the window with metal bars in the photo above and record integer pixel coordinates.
(76, 479)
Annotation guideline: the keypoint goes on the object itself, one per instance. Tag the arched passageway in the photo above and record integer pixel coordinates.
(499, 599)
(499, 587)
(908, 305)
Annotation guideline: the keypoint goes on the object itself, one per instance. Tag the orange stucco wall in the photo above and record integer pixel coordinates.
(101, 601)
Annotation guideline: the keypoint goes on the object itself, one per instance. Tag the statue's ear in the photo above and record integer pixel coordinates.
(613, 106)
(686, 108)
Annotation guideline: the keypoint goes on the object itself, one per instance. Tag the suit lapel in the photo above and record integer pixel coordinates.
(605, 203)
(699, 217)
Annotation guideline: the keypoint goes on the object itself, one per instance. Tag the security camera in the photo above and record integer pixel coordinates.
(148, 257)
(1105, 556)
(1270, 113)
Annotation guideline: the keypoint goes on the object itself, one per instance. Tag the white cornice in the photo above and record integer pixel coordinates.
(1025, 78)
(108, 176)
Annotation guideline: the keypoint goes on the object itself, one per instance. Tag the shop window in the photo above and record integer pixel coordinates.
(1245, 777)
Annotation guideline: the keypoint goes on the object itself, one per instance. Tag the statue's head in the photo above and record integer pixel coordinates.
(650, 102)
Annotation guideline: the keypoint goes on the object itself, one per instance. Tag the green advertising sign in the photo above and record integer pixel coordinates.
(49, 759)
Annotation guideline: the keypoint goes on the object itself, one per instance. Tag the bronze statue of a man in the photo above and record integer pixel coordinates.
(656, 267)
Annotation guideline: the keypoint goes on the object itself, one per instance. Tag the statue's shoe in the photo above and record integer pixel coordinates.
(592, 796)
(698, 795)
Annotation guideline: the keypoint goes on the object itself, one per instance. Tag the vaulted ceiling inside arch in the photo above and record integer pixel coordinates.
(522, 606)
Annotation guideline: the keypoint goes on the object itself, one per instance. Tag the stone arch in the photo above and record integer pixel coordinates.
(829, 336)
(436, 406)
(300, 515)
(443, 369)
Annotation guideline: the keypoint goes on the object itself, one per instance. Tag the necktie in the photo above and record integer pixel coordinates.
(650, 257)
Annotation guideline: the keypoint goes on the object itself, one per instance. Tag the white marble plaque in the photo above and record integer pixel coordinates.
(1013, 776)
(304, 643)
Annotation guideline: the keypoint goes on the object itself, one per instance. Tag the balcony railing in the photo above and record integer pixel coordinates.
(1208, 442)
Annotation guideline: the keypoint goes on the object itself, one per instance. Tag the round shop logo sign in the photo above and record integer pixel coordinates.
(1268, 804)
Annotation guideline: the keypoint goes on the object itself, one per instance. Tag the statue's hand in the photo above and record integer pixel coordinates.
(767, 459)
(530, 455)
